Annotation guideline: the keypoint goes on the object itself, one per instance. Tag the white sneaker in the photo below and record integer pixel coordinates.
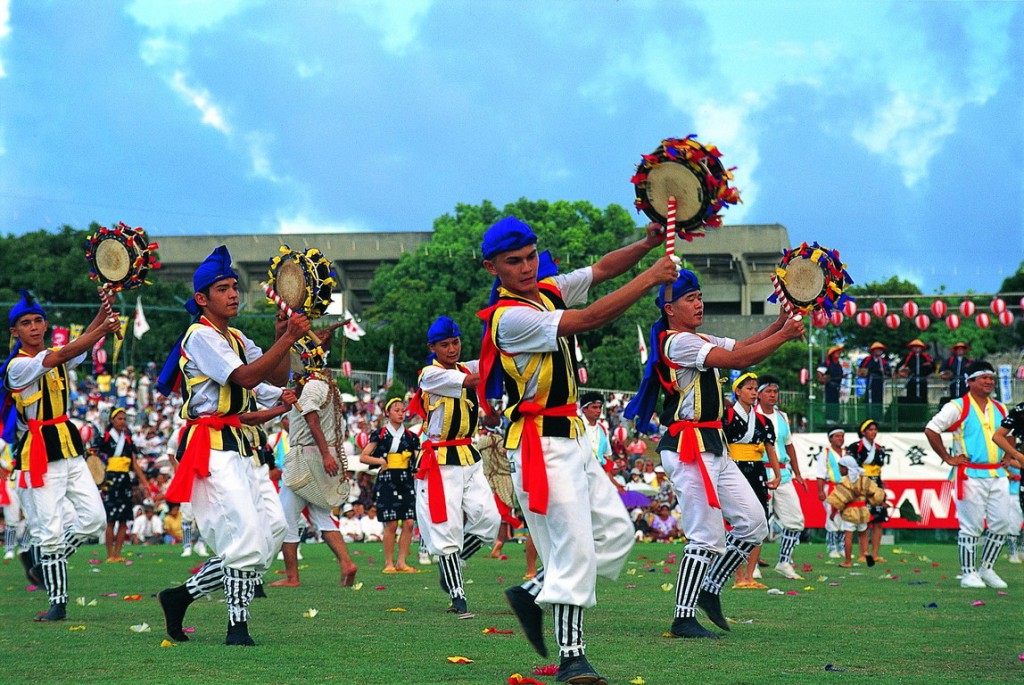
(786, 569)
(201, 549)
(186, 552)
(990, 578)
(971, 580)
(756, 573)
(834, 554)
(424, 559)
(298, 554)
(9, 554)
(1015, 558)
(280, 556)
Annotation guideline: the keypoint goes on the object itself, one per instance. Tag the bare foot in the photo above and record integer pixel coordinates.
(348, 575)
(286, 582)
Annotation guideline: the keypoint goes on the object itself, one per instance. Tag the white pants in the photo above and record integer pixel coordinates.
(850, 527)
(586, 532)
(985, 499)
(1016, 515)
(237, 516)
(293, 505)
(469, 502)
(704, 526)
(12, 511)
(786, 506)
(68, 492)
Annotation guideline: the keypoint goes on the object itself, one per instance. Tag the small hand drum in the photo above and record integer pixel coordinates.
(304, 280)
(690, 172)
(812, 277)
(120, 257)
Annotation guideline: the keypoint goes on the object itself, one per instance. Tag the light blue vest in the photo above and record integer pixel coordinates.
(782, 432)
(976, 442)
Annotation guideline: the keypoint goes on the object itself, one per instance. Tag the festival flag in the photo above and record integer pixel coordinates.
(119, 340)
(643, 345)
(60, 336)
(141, 326)
(76, 330)
(390, 375)
(353, 331)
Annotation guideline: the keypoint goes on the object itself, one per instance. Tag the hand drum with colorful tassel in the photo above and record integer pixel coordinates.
(304, 280)
(693, 174)
(811, 277)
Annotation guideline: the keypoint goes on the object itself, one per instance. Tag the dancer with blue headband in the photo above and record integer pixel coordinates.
(47, 448)
(575, 516)
(684, 364)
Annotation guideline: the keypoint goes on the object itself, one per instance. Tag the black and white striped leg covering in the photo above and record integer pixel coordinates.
(471, 544)
(790, 538)
(37, 556)
(968, 545)
(72, 541)
(24, 538)
(186, 535)
(1013, 544)
(208, 578)
(692, 571)
(833, 541)
(451, 568)
(55, 575)
(736, 552)
(535, 584)
(568, 630)
(239, 588)
(990, 551)
(10, 537)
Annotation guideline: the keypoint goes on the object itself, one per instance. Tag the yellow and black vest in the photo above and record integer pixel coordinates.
(234, 399)
(51, 400)
(460, 419)
(556, 385)
(707, 402)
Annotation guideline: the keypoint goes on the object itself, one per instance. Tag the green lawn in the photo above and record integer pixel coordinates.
(876, 629)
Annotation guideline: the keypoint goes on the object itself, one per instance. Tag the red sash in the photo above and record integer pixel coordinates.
(961, 475)
(689, 452)
(37, 463)
(196, 459)
(431, 471)
(535, 474)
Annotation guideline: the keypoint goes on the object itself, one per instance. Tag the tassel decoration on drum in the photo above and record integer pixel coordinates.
(812, 277)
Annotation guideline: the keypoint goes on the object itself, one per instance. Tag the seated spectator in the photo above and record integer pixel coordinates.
(172, 525)
(147, 528)
(636, 447)
(372, 527)
(664, 527)
(648, 473)
(641, 526)
(349, 526)
(636, 481)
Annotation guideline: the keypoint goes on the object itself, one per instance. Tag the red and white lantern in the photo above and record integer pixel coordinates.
(836, 317)
(805, 376)
(910, 309)
(582, 374)
(938, 309)
(1022, 303)
(346, 368)
(892, 321)
(967, 309)
(953, 322)
(983, 320)
(819, 318)
(850, 308)
(863, 319)
(879, 309)
(922, 322)
(998, 306)
(1006, 317)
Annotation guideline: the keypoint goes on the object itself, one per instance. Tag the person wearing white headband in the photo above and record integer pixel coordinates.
(827, 475)
(982, 480)
(1009, 435)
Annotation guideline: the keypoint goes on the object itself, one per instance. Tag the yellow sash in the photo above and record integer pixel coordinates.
(746, 452)
(872, 470)
(119, 464)
(399, 460)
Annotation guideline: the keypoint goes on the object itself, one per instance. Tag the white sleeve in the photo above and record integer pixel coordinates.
(314, 396)
(946, 417)
(23, 371)
(820, 469)
(525, 329)
(212, 354)
(691, 351)
(267, 395)
(444, 382)
(575, 285)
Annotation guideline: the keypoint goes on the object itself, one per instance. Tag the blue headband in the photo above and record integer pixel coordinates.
(685, 283)
(215, 268)
(26, 305)
(641, 407)
(442, 329)
(507, 234)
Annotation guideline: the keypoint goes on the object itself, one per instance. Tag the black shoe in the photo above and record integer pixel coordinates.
(531, 616)
(238, 634)
(260, 592)
(175, 601)
(711, 604)
(35, 574)
(33, 571)
(689, 627)
(870, 560)
(459, 607)
(576, 669)
(57, 612)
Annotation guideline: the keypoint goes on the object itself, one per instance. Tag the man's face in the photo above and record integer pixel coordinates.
(222, 301)
(769, 397)
(686, 312)
(447, 351)
(30, 329)
(592, 411)
(516, 269)
(836, 439)
(982, 385)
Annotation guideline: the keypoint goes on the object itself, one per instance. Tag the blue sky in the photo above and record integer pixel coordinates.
(893, 131)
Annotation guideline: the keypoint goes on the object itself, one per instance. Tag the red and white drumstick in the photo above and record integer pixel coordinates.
(283, 306)
(670, 232)
(783, 300)
(105, 295)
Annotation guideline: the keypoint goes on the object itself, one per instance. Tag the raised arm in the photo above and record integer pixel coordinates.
(268, 366)
(625, 258)
(100, 326)
(748, 354)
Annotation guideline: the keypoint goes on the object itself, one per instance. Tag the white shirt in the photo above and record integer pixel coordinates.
(209, 354)
(438, 382)
(371, 526)
(690, 351)
(143, 527)
(26, 374)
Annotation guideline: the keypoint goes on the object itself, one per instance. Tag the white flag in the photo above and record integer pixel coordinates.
(141, 326)
(643, 345)
(390, 375)
(353, 331)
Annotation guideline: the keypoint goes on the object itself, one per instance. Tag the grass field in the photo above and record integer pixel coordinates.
(874, 626)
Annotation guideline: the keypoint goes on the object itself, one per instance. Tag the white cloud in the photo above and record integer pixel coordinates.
(5, 29)
(300, 223)
(398, 21)
(201, 99)
(187, 16)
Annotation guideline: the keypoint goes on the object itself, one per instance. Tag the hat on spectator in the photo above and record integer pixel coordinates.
(590, 398)
(877, 346)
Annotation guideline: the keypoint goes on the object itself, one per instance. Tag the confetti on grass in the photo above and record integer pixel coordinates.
(140, 628)
(494, 631)
(459, 660)
(549, 669)
(311, 613)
